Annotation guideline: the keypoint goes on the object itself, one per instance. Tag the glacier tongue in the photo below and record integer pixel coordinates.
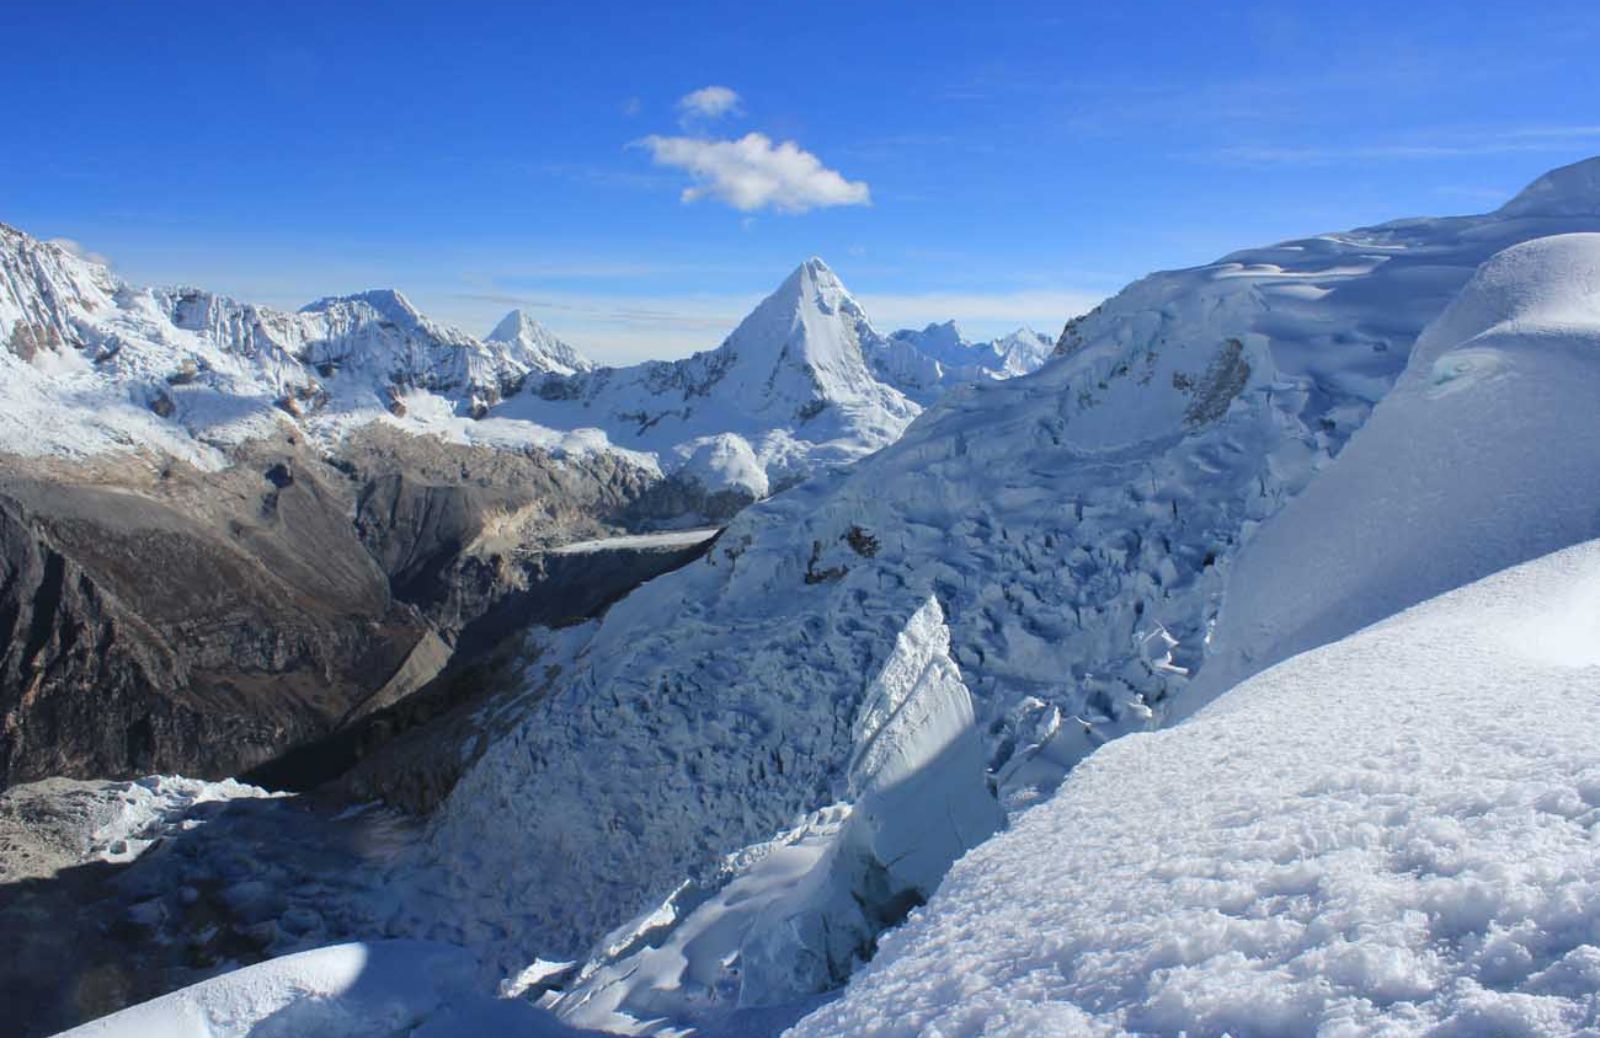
(792, 916)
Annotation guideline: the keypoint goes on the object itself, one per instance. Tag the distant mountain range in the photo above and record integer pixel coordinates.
(92, 364)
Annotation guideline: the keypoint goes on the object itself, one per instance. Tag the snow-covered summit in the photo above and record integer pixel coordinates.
(800, 351)
(788, 392)
(519, 329)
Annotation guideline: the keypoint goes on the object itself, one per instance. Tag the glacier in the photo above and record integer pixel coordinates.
(1390, 830)
(1078, 528)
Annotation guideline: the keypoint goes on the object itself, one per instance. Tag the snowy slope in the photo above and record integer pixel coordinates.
(376, 990)
(1392, 835)
(1487, 453)
(1076, 527)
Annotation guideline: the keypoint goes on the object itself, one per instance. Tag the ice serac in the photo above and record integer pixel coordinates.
(792, 916)
(1079, 527)
(1486, 453)
(917, 777)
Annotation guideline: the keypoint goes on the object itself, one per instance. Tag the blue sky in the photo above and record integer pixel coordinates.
(998, 164)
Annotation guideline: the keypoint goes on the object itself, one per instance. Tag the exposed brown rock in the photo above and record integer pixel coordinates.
(158, 618)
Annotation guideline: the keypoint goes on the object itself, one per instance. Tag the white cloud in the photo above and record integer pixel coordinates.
(712, 102)
(753, 173)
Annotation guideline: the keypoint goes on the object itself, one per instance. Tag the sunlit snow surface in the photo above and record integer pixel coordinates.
(1398, 834)
(379, 990)
(133, 815)
(1487, 453)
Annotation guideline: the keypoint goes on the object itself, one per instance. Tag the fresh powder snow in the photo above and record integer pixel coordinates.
(1391, 835)
(1486, 453)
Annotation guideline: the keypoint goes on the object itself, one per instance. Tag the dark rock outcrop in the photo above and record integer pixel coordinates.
(158, 618)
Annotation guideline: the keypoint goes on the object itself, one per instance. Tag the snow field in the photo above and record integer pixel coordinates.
(1392, 835)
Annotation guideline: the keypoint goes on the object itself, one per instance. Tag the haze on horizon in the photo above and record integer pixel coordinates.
(637, 179)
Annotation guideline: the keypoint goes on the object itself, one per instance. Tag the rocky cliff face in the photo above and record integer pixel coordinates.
(154, 617)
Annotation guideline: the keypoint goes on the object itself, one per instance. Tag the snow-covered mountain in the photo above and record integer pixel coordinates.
(533, 339)
(94, 364)
(804, 383)
(960, 360)
(718, 795)
(790, 390)
(1077, 529)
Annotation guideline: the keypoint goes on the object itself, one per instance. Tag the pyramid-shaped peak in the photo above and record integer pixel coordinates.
(517, 325)
(814, 282)
(537, 346)
(1567, 191)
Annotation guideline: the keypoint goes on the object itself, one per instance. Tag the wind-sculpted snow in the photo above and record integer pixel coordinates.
(1487, 453)
(1077, 528)
(1391, 835)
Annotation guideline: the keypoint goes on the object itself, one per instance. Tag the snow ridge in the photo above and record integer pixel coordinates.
(1485, 454)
